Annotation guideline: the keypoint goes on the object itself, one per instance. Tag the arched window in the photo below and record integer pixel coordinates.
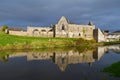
(63, 27)
(79, 34)
(43, 30)
(35, 30)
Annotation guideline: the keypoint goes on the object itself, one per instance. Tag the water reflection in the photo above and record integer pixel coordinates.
(62, 58)
(115, 48)
(72, 64)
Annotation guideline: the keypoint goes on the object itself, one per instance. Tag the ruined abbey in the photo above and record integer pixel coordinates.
(64, 29)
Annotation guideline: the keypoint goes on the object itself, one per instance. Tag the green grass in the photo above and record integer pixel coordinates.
(25, 42)
(114, 69)
(11, 39)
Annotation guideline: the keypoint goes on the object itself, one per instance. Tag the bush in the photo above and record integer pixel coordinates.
(4, 27)
(83, 42)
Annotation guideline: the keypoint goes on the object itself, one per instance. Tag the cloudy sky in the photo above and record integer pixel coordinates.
(105, 14)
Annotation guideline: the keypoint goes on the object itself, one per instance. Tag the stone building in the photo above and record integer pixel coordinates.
(66, 29)
(63, 29)
(115, 36)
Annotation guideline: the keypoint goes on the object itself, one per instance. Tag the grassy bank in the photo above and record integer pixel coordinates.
(25, 42)
(114, 69)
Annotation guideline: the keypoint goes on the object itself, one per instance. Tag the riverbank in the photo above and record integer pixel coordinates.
(24, 42)
(11, 42)
(114, 69)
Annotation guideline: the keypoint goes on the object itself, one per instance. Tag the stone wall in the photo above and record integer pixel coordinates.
(66, 29)
(19, 33)
(40, 31)
(99, 36)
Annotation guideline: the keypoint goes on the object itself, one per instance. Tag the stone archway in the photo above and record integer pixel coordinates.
(36, 32)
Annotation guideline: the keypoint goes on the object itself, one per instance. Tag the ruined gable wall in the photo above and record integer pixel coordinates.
(75, 31)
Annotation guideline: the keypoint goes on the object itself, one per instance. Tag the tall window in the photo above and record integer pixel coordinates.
(63, 27)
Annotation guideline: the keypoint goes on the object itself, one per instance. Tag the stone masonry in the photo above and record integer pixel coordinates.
(63, 29)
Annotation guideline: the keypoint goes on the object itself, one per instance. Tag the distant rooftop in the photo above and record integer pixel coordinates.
(117, 31)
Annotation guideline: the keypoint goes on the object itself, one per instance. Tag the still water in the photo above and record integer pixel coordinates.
(59, 64)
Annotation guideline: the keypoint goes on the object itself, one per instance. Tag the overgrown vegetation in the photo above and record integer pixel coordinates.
(114, 69)
(82, 43)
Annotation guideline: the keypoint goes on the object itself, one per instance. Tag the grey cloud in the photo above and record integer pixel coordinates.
(46, 12)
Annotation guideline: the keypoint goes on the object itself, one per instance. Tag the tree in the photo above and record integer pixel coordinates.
(4, 27)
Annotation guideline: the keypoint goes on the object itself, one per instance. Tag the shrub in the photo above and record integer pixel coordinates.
(4, 27)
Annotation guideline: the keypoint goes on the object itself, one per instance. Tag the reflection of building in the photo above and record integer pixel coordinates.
(34, 56)
(100, 51)
(63, 59)
(115, 48)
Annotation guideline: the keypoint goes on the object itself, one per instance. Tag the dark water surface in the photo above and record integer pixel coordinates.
(59, 65)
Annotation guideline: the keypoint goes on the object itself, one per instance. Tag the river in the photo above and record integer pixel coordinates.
(58, 64)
